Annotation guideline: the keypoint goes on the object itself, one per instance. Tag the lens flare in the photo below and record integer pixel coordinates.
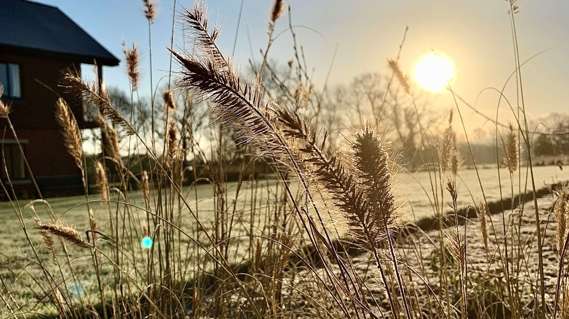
(434, 71)
(146, 242)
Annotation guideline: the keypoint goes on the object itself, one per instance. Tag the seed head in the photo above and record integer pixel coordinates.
(149, 10)
(103, 181)
(277, 11)
(132, 59)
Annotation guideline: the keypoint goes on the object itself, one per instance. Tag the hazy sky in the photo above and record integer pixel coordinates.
(474, 33)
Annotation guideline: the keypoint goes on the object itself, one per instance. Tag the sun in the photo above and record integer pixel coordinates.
(434, 71)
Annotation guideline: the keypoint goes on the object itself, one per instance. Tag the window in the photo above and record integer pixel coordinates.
(11, 156)
(10, 80)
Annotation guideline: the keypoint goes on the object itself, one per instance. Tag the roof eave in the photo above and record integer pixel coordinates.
(110, 60)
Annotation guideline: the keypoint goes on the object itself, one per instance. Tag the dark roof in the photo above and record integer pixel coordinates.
(42, 28)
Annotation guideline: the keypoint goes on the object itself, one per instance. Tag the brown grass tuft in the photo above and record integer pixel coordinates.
(169, 100)
(277, 11)
(132, 60)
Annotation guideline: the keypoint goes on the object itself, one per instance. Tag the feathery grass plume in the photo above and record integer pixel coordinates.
(149, 10)
(561, 210)
(92, 221)
(172, 142)
(454, 160)
(68, 233)
(71, 132)
(235, 103)
(338, 181)
(448, 156)
(4, 109)
(132, 59)
(169, 100)
(254, 121)
(90, 92)
(372, 162)
(482, 213)
(401, 77)
(277, 11)
(103, 181)
(197, 20)
(109, 141)
(451, 188)
(511, 155)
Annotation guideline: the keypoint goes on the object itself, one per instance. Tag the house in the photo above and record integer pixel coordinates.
(38, 43)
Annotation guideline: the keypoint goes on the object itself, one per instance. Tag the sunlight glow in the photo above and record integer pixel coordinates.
(434, 71)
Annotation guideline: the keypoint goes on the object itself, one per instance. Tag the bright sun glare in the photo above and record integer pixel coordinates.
(434, 71)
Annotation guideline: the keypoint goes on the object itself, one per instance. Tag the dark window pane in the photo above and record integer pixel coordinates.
(4, 78)
(14, 73)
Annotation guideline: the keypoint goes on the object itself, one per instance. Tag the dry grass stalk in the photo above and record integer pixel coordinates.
(149, 10)
(561, 210)
(68, 233)
(448, 153)
(57, 298)
(482, 214)
(277, 11)
(103, 181)
(511, 156)
(71, 132)
(172, 142)
(132, 59)
(145, 185)
(401, 77)
(564, 306)
(454, 162)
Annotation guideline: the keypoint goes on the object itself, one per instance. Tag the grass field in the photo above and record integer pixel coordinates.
(18, 267)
